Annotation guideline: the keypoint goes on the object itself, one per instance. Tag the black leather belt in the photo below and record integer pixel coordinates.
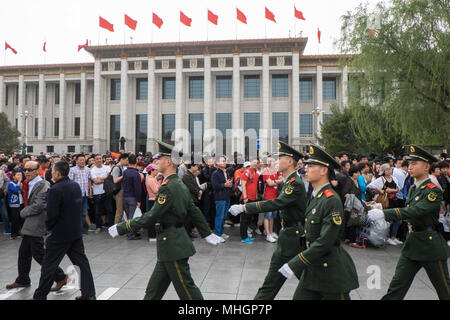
(337, 243)
(420, 229)
(161, 227)
(291, 224)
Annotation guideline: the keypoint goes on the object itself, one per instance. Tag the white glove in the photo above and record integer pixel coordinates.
(212, 239)
(375, 214)
(113, 231)
(236, 209)
(286, 271)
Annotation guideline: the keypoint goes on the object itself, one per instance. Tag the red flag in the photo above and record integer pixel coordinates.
(7, 46)
(43, 48)
(298, 14)
(185, 19)
(212, 17)
(241, 16)
(81, 46)
(318, 34)
(157, 20)
(115, 155)
(270, 15)
(130, 22)
(105, 24)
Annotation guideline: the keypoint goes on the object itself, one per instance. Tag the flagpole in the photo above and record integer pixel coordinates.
(235, 26)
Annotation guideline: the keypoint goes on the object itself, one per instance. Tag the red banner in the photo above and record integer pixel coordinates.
(241, 16)
(105, 24)
(212, 17)
(185, 19)
(7, 46)
(157, 21)
(298, 14)
(130, 22)
(270, 16)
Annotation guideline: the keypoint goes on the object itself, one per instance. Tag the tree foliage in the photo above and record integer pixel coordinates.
(400, 83)
(9, 136)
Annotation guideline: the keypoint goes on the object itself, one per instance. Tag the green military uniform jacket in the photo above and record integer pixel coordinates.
(291, 203)
(422, 211)
(172, 206)
(324, 266)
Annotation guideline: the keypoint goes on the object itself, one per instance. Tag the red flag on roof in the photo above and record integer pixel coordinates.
(185, 19)
(130, 22)
(81, 46)
(298, 14)
(44, 47)
(7, 46)
(318, 34)
(270, 15)
(103, 23)
(241, 16)
(212, 17)
(157, 21)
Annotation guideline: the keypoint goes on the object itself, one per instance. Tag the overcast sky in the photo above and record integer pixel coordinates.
(26, 24)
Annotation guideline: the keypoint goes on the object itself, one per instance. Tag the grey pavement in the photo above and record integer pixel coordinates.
(228, 271)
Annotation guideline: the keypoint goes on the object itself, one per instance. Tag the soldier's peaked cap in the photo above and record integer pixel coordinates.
(321, 157)
(165, 150)
(416, 153)
(285, 150)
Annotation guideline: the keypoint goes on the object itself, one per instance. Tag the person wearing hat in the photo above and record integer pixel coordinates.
(172, 207)
(291, 202)
(325, 270)
(425, 246)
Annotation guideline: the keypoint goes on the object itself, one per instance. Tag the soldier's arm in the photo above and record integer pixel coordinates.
(284, 199)
(329, 233)
(430, 202)
(197, 218)
(160, 207)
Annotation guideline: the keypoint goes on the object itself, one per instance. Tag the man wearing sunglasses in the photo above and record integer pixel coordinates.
(34, 230)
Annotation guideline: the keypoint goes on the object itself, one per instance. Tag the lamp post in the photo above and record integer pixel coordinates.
(25, 115)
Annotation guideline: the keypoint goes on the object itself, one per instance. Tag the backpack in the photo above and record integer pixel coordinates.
(108, 185)
(117, 186)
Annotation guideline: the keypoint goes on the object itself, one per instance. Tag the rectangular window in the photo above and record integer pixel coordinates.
(141, 133)
(57, 94)
(280, 121)
(224, 87)
(6, 95)
(168, 126)
(17, 123)
(280, 85)
(77, 93)
(196, 86)
(71, 149)
(36, 96)
(141, 89)
(36, 126)
(56, 127)
(76, 131)
(251, 86)
(223, 123)
(196, 119)
(17, 95)
(115, 89)
(26, 95)
(306, 89)
(329, 88)
(50, 149)
(30, 149)
(251, 121)
(306, 124)
(114, 133)
(169, 88)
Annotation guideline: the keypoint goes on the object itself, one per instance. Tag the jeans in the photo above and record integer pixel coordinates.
(129, 204)
(221, 213)
(270, 215)
(84, 209)
(4, 214)
(394, 228)
(206, 202)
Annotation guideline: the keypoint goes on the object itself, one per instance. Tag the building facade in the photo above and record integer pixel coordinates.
(145, 92)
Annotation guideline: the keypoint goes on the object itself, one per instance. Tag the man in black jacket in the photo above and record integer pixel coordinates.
(65, 234)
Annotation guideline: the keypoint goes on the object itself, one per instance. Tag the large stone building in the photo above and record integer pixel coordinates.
(143, 92)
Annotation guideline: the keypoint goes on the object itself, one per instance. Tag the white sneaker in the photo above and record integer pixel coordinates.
(274, 235)
(258, 231)
(398, 241)
(221, 240)
(270, 239)
(391, 242)
(151, 239)
(225, 236)
(237, 225)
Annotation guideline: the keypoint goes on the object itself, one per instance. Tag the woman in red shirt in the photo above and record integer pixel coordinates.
(272, 179)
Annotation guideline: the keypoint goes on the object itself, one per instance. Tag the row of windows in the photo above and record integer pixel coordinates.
(76, 128)
(51, 149)
(36, 95)
(224, 87)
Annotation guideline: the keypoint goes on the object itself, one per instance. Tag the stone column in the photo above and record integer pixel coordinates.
(180, 112)
(2, 94)
(83, 106)
(208, 115)
(97, 112)
(344, 87)
(319, 100)
(295, 113)
(42, 93)
(237, 123)
(20, 107)
(152, 113)
(266, 116)
(62, 106)
(124, 109)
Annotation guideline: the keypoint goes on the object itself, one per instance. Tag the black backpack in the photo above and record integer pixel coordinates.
(108, 185)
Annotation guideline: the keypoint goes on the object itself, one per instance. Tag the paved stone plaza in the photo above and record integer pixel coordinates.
(229, 271)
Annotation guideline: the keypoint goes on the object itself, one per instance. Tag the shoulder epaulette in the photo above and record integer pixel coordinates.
(165, 182)
(328, 193)
(431, 185)
(292, 180)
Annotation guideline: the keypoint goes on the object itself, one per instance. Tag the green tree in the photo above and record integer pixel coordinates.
(9, 136)
(401, 63)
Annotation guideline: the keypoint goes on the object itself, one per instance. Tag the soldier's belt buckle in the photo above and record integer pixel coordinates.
(307, 244)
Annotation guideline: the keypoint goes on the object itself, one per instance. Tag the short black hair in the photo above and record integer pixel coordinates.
(443, 165)
(353, 169)
(405, 163)
(42, 159)
(362, 165)
(344, 163)
(123, 156)
(434, 166)
(80, 155)
(24, 157)
(62, 167)
(132, 159)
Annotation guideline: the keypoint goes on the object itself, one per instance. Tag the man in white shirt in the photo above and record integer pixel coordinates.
(400, 174)
(102, 203)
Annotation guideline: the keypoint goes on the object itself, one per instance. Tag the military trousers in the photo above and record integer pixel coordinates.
(405, 272)
(274, 280)
(306, 294)
(176, 272)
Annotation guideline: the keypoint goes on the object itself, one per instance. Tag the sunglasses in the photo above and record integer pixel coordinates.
(30, 169)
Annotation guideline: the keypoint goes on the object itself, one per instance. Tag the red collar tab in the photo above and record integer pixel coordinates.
(431, 185)
(165, 182)
(292, 180)
(328, 193)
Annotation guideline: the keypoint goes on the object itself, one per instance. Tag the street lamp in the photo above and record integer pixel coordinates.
(25, 115)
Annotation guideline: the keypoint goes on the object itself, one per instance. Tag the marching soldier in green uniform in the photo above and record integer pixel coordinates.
(424, 246)
(326, 271)
(292, 204)
(174, 247)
